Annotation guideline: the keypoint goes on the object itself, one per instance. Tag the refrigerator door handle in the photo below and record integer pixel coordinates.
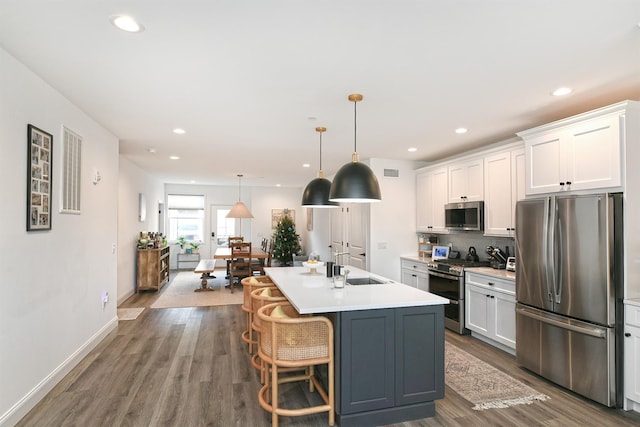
(594, 332)
(547, 247)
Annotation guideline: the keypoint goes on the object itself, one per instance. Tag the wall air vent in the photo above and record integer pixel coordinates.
(392, 173)
(71, 172)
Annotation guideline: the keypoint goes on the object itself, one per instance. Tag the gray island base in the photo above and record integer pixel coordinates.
(389, 345)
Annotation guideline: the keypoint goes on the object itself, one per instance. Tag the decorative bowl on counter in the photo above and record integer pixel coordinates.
(313, 266)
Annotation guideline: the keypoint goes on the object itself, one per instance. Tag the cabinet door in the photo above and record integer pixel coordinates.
(466, 181)
(518, 186)
(504, 328)
(631, 365)
(439, 199)
(431, 196)
(477, 309)
(498, 206)
(543, 160)
(424, 202)
(419, 359)
(367, 360)
(423, 281)
(593, 154)
(409, 277)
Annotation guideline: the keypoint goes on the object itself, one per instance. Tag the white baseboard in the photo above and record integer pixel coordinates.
(24, 405)
(123, 298)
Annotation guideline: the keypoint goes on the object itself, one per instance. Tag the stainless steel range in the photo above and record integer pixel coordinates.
(446, 279)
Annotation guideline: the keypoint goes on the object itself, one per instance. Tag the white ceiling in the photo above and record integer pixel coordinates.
(249, 80)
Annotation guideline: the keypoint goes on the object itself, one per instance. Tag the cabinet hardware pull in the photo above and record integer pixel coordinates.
(627, 334)
(491, 283)
(562, 183)
(568, 182)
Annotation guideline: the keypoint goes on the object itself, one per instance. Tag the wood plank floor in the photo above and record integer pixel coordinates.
(189, 367)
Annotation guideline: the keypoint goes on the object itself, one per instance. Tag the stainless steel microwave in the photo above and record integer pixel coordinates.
(468, 216)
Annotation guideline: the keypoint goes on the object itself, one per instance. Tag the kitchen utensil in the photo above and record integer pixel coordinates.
(472, 255)
(329, 268)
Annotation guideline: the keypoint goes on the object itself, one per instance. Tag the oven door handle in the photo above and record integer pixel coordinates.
(444, 276)
(454, 302)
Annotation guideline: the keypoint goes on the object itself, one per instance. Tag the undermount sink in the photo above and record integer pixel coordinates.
(364, 281)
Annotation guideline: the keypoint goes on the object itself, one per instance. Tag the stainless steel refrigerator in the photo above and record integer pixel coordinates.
(569, 257)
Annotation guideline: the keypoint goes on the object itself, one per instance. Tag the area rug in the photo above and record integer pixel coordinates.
(129, 313)
(482, 384)
(180, 292)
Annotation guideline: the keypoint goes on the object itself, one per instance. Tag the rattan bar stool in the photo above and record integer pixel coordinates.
(259, 298)
(290, 340)
(248, 285)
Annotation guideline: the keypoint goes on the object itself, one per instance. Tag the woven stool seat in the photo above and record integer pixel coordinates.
(291, 340)
(248, 285)
(259, 298)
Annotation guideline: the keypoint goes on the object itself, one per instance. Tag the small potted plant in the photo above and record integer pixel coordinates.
(182, 242)
(194, 247)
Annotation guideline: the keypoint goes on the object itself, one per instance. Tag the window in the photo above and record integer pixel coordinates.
(186, 217)
(226, 227)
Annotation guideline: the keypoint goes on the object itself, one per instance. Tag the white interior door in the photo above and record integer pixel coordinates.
(221, 228)
(357, 236)
(337, 232)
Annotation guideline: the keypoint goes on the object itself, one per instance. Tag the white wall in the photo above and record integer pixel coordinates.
(392, 221)
(50, 306)
(133, 181)
(259, 200)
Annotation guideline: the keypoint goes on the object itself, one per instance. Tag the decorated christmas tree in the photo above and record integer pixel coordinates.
(286, 242)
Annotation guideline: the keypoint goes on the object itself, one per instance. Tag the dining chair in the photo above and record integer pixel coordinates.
(239, 263)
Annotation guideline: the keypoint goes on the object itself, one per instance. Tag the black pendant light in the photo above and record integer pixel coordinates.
(355, 182)
(316, 194)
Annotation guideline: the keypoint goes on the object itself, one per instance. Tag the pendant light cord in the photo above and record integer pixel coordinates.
(355, 126)
(320, 150)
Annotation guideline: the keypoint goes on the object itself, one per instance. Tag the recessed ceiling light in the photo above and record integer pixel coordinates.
(174, 157)
(179, 131)
(561, 91)
(306, 165)
(278, 185)
(412, 149)
(127, 23)
(461, 130)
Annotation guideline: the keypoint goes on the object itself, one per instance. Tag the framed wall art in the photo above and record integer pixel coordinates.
(278, 214)
(40, 149)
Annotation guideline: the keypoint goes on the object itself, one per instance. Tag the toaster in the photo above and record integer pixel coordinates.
(511, 264)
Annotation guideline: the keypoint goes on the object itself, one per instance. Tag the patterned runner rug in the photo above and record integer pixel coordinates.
(180, 292)
(482, 384)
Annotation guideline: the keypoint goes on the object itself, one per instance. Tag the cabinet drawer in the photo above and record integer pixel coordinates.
(414, 265)
(632, 315)
(489, 282)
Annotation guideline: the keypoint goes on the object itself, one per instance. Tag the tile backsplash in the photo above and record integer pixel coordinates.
(460, 241)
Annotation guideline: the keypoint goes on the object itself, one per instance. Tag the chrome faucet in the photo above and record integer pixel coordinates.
(337, 254)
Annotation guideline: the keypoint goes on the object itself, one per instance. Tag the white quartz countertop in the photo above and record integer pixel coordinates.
(500, 274)
(632, 301)
(314, 293)
(416, 258)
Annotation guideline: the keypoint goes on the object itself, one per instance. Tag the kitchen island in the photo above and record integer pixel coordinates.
(389, 343)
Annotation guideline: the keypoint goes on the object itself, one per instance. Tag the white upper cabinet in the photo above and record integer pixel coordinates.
(503, 186)
(466, 181)
(583, 152)
(431, 196)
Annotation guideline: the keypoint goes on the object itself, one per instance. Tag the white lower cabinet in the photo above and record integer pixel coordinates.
(632, 358)
(490, 305)
(415, 273)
